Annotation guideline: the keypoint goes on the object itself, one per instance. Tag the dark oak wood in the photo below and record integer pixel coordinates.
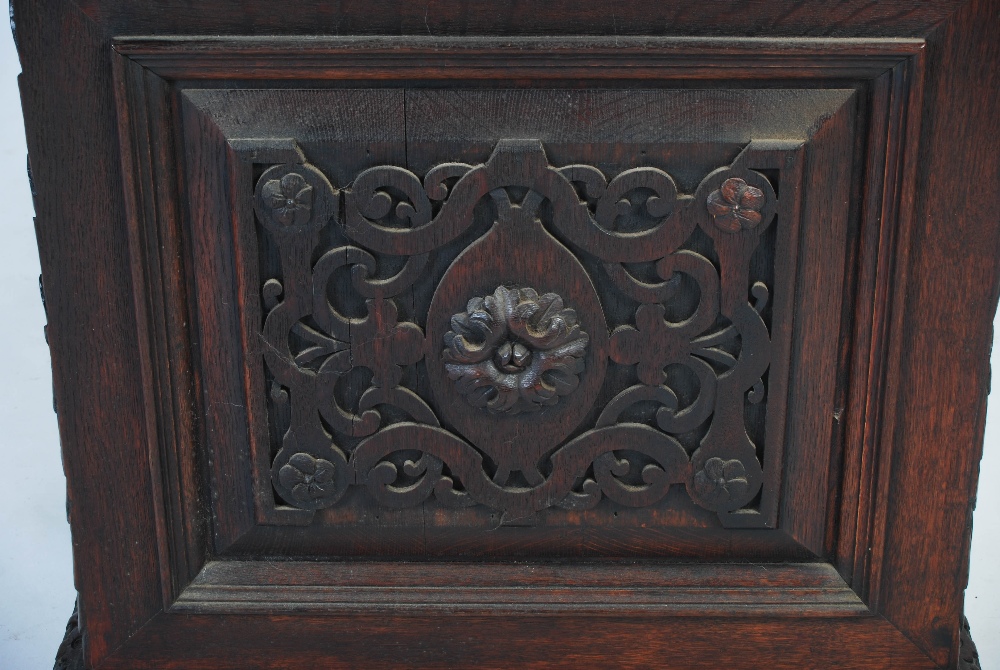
(783, 18)
(96, 299)
(69, 656)
(273, 242)
(414, 57)
(571, 641)
(968, 656)
(515, 353)
(705, 111)
(920, 336)
(626, 588)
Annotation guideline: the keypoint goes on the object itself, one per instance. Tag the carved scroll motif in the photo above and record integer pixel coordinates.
(516, 343)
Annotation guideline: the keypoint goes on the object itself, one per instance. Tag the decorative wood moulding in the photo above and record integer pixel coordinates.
(451, 57)
(515, 372)
(381, 587)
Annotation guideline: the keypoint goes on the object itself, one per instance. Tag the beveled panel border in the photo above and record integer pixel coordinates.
(229, 286)
(497, 589)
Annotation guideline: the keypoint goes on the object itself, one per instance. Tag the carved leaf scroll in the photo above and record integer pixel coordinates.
(529, 362)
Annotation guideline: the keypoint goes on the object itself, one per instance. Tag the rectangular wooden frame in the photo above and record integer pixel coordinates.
(237, 390)
(128, 502)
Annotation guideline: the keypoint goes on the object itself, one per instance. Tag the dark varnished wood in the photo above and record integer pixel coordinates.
(69, 656)
(799, 590)
(571, 641)
(783, 18)
(97, 300)
(167, 364)
(559, 347)
(922, 340)
(445, 57)
(968, 656)
(145, 152)
(709, 110)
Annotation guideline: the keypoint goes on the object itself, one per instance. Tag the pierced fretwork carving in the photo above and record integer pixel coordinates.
(517, 330)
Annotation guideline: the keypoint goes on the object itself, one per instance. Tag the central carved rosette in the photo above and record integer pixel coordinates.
(512, 357)
(515, 351)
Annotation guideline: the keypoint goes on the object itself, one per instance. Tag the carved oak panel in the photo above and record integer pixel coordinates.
(515, 345)
(575, 339)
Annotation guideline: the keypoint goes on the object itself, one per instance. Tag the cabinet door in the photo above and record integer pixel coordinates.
(605, 348)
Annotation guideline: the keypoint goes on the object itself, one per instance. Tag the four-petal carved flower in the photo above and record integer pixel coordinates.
(308, 478)
(290, 199)
(652, 343)
(721, 481)
(736, 205)
(515, 350)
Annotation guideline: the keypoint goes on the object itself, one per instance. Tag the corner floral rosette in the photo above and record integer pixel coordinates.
(515, 350)
(721, 481)
(290, 199)
(736, 205)
(309, 480)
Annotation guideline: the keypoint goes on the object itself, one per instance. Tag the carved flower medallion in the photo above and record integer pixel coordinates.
(309, 479)
(515, 351)
(736, 205)
(290, 199)
(720, 481)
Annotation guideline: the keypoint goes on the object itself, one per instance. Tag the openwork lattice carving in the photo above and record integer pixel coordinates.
(516, 328)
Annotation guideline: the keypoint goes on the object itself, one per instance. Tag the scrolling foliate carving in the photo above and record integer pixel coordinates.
(516, 328)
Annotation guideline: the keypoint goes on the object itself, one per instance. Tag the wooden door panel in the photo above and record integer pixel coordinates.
(340, 246)
(354, 250)
(359, 260)
(561, 337)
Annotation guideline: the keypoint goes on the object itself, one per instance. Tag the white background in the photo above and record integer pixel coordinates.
(36, 579)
